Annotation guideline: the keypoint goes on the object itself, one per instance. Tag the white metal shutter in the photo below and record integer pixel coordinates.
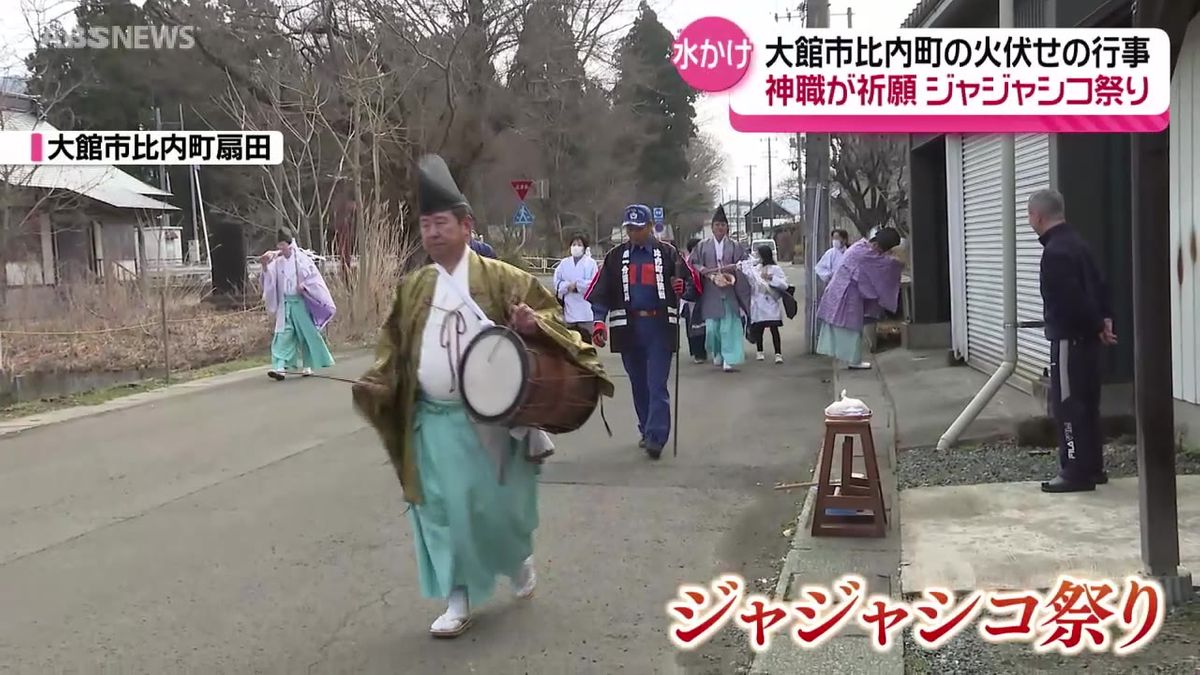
(983, 250)
(1185, 218)
(984, 253)
(1033, 174)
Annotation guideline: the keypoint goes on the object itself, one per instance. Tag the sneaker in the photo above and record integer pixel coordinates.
(698, 361)
(860, 366)
(779, 358)
(760, 357)
(275, 375)
(1058, 484)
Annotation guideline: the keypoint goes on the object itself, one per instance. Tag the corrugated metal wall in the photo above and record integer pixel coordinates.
(978, 295)
(983, 251)
(1029, 13)
(1185, 218)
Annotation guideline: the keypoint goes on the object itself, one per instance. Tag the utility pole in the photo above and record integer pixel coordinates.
(750, 215)
(816, 192)
(814, 187)
(770, 186)
(737, 197)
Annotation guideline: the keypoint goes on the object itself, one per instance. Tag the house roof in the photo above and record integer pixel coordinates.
(103, 183)
(786, 204)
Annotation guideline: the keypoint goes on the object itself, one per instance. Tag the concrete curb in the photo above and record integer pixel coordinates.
(23, 424)
(789, 565)
(851, 653)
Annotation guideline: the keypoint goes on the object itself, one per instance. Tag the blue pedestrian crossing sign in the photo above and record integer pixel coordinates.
(523, 216)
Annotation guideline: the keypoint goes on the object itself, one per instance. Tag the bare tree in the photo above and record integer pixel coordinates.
(870, 170)
(706, 169)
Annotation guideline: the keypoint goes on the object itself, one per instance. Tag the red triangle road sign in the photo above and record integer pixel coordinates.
(522, 188)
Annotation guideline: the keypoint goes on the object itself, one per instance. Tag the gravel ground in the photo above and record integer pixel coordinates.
(1005, 462)
(1175, 650)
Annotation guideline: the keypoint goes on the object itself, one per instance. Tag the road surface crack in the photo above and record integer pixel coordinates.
(345, 621)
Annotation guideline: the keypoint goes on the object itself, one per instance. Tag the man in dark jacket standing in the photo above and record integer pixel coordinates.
(1075, 304)
(635, 295)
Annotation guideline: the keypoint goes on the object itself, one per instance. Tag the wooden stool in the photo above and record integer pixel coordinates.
(859, 497)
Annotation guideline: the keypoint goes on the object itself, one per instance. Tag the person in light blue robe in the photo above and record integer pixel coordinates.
(723, 307)
(295, 293)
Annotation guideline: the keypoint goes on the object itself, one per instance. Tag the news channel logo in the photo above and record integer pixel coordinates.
(121, 37)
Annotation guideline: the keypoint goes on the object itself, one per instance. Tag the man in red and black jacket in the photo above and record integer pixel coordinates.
(1078, 316)
(635, 298)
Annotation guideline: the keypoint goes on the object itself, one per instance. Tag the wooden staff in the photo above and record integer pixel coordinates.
(678, 348)
(323, 377)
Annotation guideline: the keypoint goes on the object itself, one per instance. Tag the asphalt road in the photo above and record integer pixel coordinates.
(256, 527)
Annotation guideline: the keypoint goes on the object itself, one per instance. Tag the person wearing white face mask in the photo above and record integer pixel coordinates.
(572, 277)
(833, 257)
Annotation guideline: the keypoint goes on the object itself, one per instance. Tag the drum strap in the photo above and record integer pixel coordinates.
(454, 326)
(604, 419)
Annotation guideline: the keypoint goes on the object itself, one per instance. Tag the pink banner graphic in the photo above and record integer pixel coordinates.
(783, 80)
(941, 124)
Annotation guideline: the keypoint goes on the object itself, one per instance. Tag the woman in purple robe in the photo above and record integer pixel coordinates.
(865, 285)
(295, 293)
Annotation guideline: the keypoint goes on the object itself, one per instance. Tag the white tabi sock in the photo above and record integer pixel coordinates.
(459, 605)
(526, 579)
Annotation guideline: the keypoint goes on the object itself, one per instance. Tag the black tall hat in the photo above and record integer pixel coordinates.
(285, 235)
(438, 191)
(719, 215)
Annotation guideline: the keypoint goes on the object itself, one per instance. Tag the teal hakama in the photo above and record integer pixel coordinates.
(469, 528)
(842, 344)
(723, 337)
(299, 344)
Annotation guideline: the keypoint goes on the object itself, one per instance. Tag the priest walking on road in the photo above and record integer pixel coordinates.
(295, 293)
(472, 487)
(725, 298)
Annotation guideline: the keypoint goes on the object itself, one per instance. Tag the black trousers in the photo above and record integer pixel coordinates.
(695, 342)
(758, 337)
(584, 330)
(1075, 381)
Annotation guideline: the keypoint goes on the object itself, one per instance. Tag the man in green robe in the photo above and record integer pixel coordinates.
(471, 486)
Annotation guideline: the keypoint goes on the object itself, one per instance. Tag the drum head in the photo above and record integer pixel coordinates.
(493, 373)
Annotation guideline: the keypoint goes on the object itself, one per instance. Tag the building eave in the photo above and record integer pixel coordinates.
(928, 12)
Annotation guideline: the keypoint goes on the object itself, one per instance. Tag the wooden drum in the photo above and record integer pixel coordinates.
(508, 382)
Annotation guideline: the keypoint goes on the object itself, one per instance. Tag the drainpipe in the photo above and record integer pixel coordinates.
(1008, 221)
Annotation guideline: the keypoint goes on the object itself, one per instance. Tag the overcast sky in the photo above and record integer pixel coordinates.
(741, 150)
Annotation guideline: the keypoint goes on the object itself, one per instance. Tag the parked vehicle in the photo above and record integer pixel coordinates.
(770, 243)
